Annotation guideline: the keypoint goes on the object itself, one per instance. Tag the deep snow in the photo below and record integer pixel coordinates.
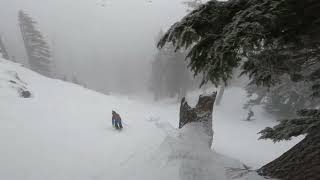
(64, 132)
(237, 138)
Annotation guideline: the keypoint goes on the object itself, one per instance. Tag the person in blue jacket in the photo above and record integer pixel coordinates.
(116, 120)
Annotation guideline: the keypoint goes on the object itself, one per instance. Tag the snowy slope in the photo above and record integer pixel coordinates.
(64, 132)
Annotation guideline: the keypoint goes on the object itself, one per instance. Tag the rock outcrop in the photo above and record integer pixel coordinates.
(11, 83)
(25, 93)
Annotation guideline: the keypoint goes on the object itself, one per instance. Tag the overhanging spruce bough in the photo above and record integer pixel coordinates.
(267, 40)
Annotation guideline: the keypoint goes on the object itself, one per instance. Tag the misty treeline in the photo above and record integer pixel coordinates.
(170, 75)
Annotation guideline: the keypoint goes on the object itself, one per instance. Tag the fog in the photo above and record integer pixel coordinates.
(106, 44)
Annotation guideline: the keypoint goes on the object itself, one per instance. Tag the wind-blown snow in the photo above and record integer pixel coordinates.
(64, 132)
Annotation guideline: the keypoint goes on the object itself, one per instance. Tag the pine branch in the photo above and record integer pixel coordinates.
(293, 127)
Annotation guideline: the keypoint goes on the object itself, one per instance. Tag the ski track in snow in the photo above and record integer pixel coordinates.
(64, 132)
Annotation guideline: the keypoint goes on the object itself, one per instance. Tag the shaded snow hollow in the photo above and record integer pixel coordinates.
(64, 132)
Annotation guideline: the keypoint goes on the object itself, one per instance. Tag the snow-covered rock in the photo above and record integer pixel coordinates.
(201, 113)
(10, 82)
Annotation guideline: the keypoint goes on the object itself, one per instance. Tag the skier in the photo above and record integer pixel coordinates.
(116, 120)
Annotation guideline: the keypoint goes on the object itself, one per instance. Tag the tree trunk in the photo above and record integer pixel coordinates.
(220, 94)
(302, 162)
(202, 112)
(3, 50)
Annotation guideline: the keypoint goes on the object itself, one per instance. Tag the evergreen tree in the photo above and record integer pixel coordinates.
(3, 50)
(157, 78)
(283, 99)
(75, 80)
(169, 74)
(176, 74)
(269, 40)
(64, 78)
(220, 95)
(13, 59)
(36, 47)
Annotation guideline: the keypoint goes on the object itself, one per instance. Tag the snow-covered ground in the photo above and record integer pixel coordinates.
(64, 132)
(238, 138)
